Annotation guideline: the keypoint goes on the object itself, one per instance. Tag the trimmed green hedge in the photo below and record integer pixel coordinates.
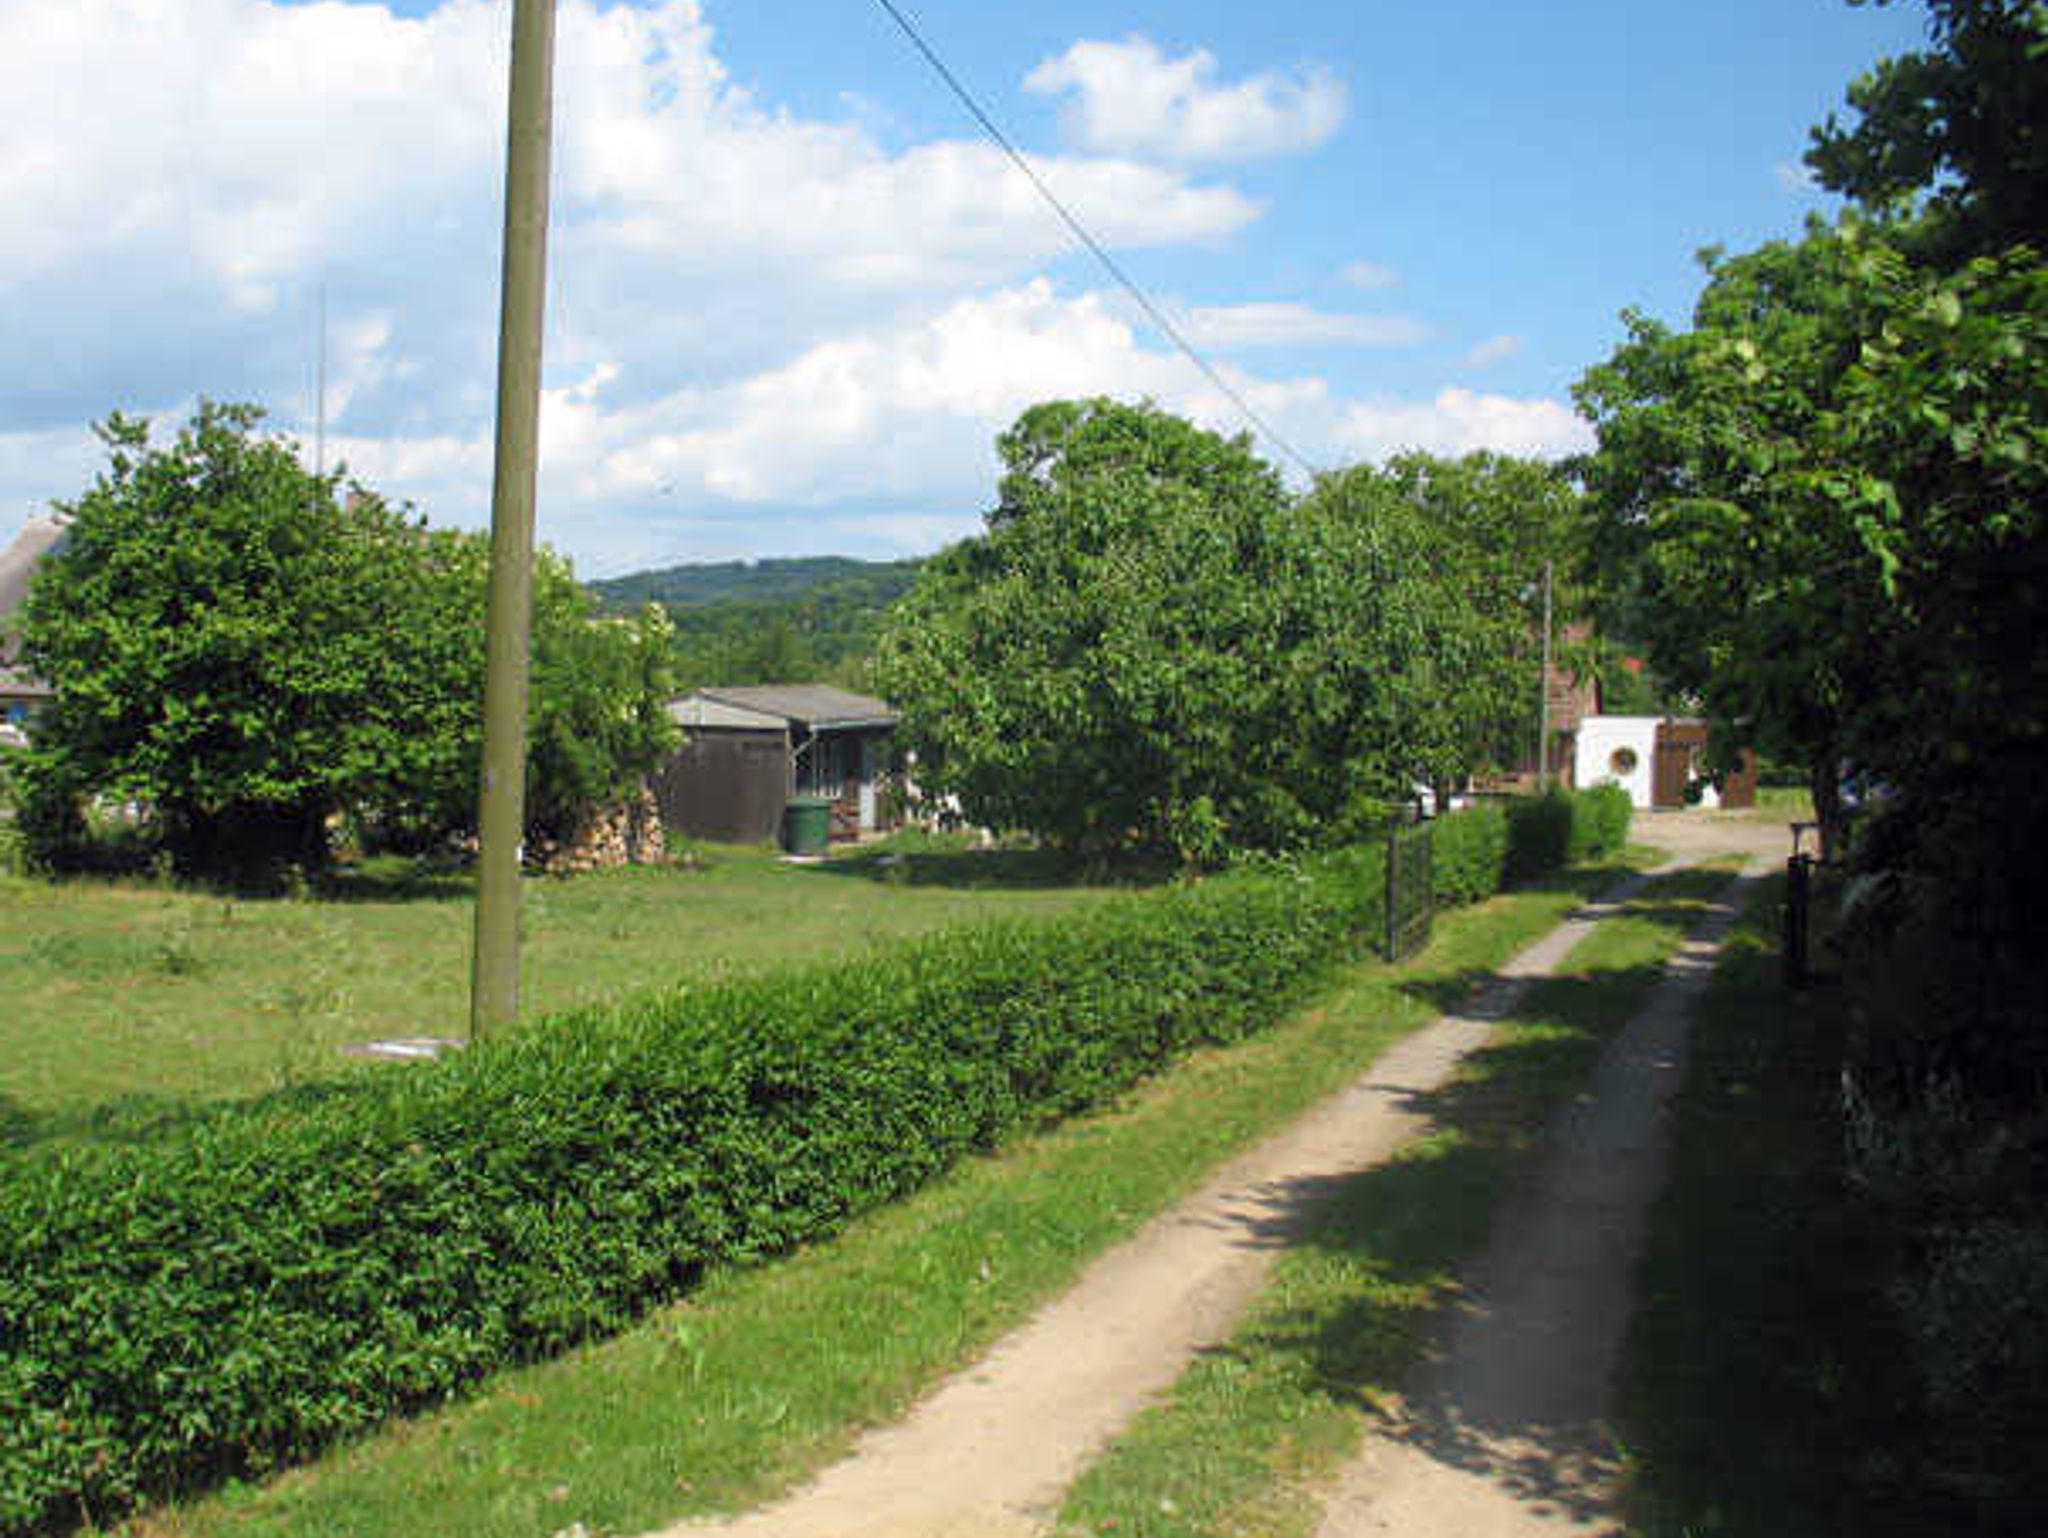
(1600, 823)
(1469, 853)
(1477, 851)
(280, 1274)
(1550, 831)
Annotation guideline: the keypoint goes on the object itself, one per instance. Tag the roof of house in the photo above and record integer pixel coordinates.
(18, 560)
(17, 568)
(20, 684)
(818, 707)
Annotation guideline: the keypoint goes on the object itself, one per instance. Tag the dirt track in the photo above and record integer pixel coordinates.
(1503, 1434)
(1499, 1434)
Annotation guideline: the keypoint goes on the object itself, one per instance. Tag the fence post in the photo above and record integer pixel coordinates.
(1798, 909)
(1393, 945)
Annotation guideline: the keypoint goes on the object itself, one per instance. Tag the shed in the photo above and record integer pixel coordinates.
(1656, 759)
(747, 750)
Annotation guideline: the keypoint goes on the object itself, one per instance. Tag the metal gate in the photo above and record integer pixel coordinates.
(1411, 896)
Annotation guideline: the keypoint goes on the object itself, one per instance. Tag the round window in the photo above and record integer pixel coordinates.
(1623, 761)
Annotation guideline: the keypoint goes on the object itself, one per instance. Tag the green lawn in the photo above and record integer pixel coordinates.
(1792, 803)
(126, 999)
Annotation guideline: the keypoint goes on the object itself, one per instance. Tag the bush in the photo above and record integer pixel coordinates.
(1562, 827)
(1539, 834)
(275, 1275)
(1469, 853)
(1600, 822)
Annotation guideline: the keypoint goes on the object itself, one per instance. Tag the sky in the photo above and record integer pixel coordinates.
(794, 295)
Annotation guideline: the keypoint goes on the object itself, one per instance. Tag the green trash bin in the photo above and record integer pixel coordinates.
(807, 825)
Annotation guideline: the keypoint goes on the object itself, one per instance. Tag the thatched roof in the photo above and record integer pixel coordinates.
(38, 537)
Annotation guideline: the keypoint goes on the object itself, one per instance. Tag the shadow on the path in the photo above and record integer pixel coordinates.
(1403, 1232)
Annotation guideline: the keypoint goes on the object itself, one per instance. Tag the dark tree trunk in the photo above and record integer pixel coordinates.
(1825, 775)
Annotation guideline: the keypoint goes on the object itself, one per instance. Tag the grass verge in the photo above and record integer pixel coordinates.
(765, 1373)
(1253, 1425)
(1763, 1393)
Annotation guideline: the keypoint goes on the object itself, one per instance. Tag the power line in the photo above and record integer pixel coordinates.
(1080, 233)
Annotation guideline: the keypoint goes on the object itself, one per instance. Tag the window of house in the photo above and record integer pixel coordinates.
(1623, 761)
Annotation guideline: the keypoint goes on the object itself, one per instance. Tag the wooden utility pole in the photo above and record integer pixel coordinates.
(494, 978)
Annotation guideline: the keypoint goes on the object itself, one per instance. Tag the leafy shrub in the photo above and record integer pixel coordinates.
(1539, 834)
(1469, 853)
(1600, 822)
(269, 1277)
(1553, 830)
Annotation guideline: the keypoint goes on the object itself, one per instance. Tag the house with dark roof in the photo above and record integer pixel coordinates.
(747, 750)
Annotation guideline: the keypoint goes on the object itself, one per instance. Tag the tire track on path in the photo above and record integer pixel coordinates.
(1504, 1433)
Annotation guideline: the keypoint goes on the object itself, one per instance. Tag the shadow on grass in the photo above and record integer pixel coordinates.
(396, 878)
(140, 1118)
(1765, 1387)
(963, 869)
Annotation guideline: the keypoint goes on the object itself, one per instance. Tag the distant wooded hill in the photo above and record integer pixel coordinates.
(837, 579)
(807, 619)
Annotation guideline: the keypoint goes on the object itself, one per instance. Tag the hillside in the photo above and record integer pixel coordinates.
(837, 578)
(810, 619)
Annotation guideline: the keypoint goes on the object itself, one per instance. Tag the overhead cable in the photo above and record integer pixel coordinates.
(1080, 233)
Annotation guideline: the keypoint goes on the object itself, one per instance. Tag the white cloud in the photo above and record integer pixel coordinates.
(198, 169)
(1369, 275)
(876, 440)
(1459, 421)
(1794, 177)
(38, 465)
(768, 334)
(1130, 98)
(1495, 349)
(1285, 324)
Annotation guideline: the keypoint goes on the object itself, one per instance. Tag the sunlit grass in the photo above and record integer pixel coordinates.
(124, 1000)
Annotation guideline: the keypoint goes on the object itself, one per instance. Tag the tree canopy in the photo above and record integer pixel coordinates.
(1819, 505)
(247, 651)
(1958, 126)
(1155, 647)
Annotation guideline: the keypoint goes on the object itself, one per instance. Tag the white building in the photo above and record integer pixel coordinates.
(1622, 750)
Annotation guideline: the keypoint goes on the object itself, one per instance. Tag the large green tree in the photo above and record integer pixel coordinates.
(1154, 646)
(247, 651)
(1721, 539)
(1080, 669)
(1956, 129)
(1821, 503)
(1818, 504)
(1427, 578)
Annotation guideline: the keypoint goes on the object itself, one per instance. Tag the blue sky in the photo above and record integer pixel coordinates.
(795, 297)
